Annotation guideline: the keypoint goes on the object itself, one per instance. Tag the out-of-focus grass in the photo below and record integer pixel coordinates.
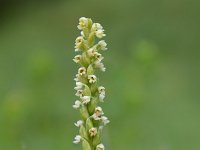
(151, 79)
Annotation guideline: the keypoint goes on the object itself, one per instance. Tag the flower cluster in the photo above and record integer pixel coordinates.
(87, 87)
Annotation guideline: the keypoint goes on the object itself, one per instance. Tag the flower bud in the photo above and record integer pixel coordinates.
(93, 131)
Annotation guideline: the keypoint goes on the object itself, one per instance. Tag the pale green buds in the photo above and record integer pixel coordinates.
(87, 84)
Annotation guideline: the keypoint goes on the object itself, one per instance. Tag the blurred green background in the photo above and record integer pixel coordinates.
(152, 76)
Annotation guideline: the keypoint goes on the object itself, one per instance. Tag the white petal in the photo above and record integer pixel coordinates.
(78, 123)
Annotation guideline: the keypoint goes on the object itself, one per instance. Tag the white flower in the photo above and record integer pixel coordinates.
(78, 43)
(101, 97)
(77, 139)
(77, 50)
(98, 29)
(93, 131)
(82, 33)
(82, 71)
(77, 104)
(79, 93)
(85, 99)
(83, 23)
(79, 86)
(78, 123)
(96, 26)
(100, 33)
(98, 56)
(77, 58)
(105, 120)
(100, 147)
(92, 78)
(101, 90)
(102, 93)
(76, 78)
(99, 65)
(102, 45)
(97, 113)
(91, 52)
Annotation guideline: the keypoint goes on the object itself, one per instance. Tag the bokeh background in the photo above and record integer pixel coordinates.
(152, 76)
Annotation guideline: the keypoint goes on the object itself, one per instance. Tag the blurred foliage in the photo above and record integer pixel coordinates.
(152, 76)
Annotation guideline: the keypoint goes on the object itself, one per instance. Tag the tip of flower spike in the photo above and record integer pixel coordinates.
(84, 23)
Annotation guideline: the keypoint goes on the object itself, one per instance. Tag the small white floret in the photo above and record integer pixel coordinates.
(100, 147)
(77, 104)
(78, 123)
(77, 139)
(102, 45)
(93, 131)
(92, 78)
(86, 99)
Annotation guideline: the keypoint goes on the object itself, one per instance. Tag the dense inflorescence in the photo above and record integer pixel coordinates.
(88, 90)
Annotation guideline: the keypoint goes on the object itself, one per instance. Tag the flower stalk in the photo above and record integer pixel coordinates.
(88, 90)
